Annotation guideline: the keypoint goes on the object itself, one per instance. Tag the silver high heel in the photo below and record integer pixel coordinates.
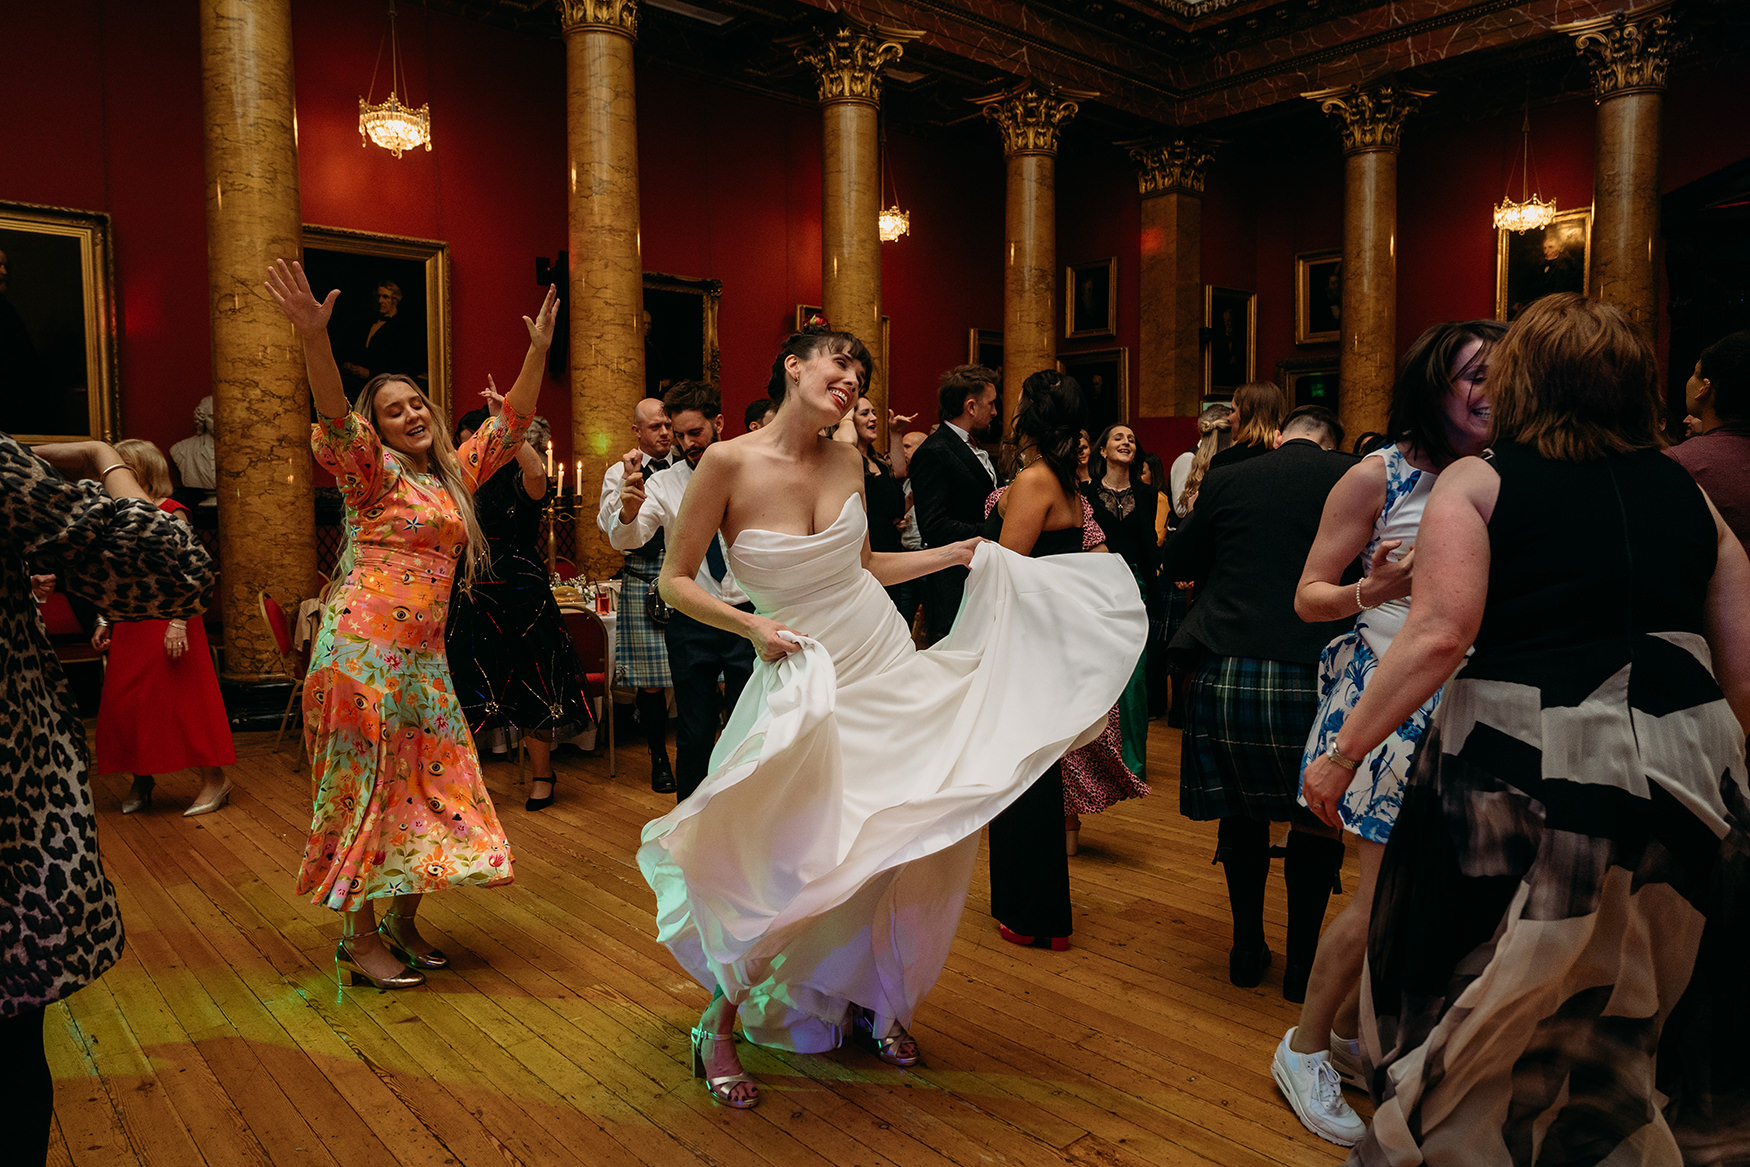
(139, 797)
(345, 962)
(207, 807)
(404, 951)
(722, 1088)
(887, 1046)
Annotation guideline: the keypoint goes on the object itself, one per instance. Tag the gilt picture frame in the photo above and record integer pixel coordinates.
(360, 263)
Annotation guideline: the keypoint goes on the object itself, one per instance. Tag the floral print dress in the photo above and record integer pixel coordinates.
(400, 804)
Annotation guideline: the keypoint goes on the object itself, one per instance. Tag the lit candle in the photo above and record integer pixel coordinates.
(579, 489)
(549, 457)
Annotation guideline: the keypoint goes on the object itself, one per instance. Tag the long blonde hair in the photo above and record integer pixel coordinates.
(1213, 436)
(476, 557)
(1258, 409)
(149, 466)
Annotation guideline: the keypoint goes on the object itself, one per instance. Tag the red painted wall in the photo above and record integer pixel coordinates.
(731, 190)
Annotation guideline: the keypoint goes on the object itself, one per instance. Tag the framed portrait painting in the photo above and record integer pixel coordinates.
(1104, 376)
(1230, 332)
(1533, 264)
(1318, 296)
(680, 343)
(1309, 381)
(984, 346)
(1090, 297)
(393, 315)
(57, 324)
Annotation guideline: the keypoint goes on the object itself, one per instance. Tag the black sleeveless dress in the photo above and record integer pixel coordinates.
(510, 655)
(1029, 869)
(1562, 925)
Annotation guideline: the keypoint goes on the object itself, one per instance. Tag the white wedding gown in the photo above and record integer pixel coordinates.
(825, 859)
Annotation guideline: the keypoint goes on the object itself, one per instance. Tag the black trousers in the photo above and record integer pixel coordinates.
(697, 655)
(1029, 869)
(27, 1092)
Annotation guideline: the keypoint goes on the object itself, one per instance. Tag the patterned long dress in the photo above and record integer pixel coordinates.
(400, 805)
(58, 911)
(1562, 927)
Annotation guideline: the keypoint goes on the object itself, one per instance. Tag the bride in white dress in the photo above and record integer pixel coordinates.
(815, 880)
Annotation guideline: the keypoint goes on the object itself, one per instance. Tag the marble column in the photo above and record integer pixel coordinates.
(1030, 116)
(261, 398)
(1170, 173)
(847, 62)
(1370, 119)
(606, 288)
(1629, 55)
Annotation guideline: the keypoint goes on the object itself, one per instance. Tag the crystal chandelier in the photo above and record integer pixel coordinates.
(892, 222)
(391, 125)
(1530, 212)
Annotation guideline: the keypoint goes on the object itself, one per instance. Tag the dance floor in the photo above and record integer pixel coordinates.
(559, 1035)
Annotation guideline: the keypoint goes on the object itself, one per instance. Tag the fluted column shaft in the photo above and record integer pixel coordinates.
(606, 302)
(1030, 118)
(261, 398)
(847, 62)
(1170, 178)
(1629, 57)
(1370, 120)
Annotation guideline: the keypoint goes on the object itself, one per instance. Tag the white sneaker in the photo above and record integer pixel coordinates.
(1314, 1091)
(1346, 1060)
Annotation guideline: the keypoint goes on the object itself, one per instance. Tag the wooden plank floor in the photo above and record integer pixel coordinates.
(559, 1035)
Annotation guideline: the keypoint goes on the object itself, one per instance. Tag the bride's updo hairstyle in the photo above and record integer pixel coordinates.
(816, 338)
(1049, 418)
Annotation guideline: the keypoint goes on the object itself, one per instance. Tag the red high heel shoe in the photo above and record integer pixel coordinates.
(1055, 943)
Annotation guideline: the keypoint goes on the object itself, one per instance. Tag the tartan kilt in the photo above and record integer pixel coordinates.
(641, 653)
(1246, 722)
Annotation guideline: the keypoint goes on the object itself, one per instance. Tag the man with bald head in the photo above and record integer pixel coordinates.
(642, 655)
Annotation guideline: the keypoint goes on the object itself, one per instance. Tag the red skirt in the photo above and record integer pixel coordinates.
(158, 714)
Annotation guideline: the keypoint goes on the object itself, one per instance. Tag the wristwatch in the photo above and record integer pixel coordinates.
(1332, 753)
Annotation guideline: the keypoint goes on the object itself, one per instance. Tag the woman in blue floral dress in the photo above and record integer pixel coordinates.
(400, 807)
(1440, 413)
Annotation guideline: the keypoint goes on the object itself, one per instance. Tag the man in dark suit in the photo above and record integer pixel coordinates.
(951, 476)
(1253, 694)
(391, 343)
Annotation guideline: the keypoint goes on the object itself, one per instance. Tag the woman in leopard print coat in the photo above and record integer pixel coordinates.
(59, 929)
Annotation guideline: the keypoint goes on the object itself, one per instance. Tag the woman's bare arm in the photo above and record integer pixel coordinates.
(1351, 509)
(291, 291)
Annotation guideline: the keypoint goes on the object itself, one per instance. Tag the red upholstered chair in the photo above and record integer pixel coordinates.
(589, 638)
(293, 663)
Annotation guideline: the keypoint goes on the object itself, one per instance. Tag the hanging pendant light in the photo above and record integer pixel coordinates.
(892, 222)
(391, 125)
(1530, 213)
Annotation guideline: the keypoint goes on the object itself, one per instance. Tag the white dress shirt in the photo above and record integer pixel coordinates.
(662, 505)
(612, 480)
(977, 451)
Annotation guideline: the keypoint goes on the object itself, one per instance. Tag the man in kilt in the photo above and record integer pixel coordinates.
(1254, 689)
(641, 657)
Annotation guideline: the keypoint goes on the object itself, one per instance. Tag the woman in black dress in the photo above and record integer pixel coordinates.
(1555, 967)
(1125, 508)
(1039, 514)
(884, 492)
(512, 660)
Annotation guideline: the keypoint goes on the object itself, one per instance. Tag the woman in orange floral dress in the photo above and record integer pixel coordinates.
(400, 806)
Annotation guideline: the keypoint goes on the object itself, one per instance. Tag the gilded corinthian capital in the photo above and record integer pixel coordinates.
(1031, 114)
(1171, 165)
(1627, 52)
(1371, 117)
(607, 15)
(847, 60)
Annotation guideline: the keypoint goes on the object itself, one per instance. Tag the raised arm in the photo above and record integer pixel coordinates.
(291, 291)
(700, 515)
(527, 388)
(1351, 509)
(528, 459)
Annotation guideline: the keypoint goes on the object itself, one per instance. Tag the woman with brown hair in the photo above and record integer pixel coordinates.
(1555, 966)
(400, 807)
(161, 709)
(1258, 410)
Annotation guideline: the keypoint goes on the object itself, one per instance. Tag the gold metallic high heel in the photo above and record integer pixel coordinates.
(722, 1088)
(404, 951)
(344, 961)
(887, 1046)
(139, 797)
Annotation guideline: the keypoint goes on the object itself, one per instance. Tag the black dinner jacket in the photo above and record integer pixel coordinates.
(1245, 544)
(948, 488)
